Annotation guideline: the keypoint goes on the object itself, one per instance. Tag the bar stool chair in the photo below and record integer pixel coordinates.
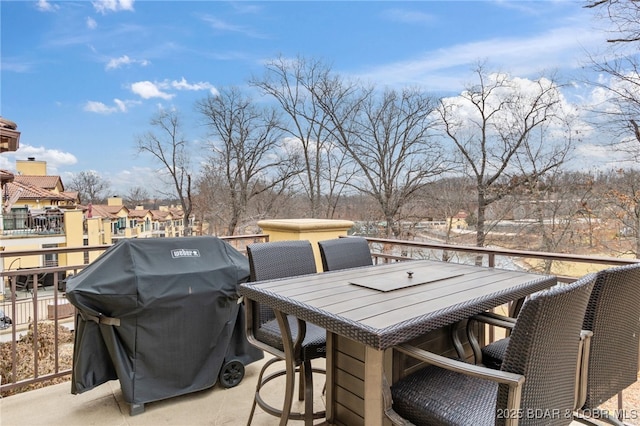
(285, 337)
(609, 363)
(535, 386)
(343, 253)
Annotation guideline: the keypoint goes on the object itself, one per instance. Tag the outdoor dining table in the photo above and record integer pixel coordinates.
(368, 310)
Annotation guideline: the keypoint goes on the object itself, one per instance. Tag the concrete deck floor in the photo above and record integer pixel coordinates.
(55, 405)
(104, 405)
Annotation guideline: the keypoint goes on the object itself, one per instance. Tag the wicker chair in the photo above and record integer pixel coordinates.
(343, 253)
(535, 385)
(610, 361)
(300, 343)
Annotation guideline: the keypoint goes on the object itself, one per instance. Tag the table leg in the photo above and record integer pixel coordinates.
(374, 367)
(330, 366)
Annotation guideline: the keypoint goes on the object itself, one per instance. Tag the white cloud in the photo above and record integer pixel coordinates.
(124, 60)
(203, 85)
(449, 67)
(15, 65)
(146, 177)
(91, 23)
(148, 90)
(101, 108)
(55, 159)
(246, 8)
(621, 90)
(117, 62)
(220, 25)
(104, 6)
(6, 163)
(122, 106)
(45, 6)
(408, 16)
(598, 157)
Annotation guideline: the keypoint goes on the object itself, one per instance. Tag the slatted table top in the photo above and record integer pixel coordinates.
(382, 306)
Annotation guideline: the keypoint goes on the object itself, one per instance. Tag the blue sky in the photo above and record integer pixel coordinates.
(82, 79)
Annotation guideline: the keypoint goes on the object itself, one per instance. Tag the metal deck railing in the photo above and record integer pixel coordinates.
(28, 305)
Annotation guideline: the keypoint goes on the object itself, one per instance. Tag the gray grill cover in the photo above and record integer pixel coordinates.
(176, 303)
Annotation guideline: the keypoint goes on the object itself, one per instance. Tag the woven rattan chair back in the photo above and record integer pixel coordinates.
(278, 259)
(343, 253)
(613, 315)
(283, 259)
(544, 347)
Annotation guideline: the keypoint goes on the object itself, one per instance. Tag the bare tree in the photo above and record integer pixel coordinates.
(212, 200)
(623, 14)
(446, 198)
(291, 83)
(504, 131)
(136, 196)
(617, 111)
(167, 146)
(618, 114)
(561, 206)
(388, 136)
(246, 149)
(619, 104)
(90, 186)
(623, 201)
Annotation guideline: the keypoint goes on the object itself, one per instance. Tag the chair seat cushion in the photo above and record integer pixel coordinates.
(435, 396)
(313, 346)
(493, 353)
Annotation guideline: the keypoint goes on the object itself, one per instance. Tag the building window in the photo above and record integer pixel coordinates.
(50, 259)
(85, 242)
(119, 226)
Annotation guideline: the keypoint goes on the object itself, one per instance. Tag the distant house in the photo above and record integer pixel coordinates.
(168, 221)
(9, 136)
(34, 202)
(459, 220)
(138, 222)
(141, 219)
(115, 213)
(38, 213)
(32, 188)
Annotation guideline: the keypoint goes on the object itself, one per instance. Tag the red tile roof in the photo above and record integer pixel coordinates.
(160, 214)
(138, 213)
(106, 211)
(32, 192)
(71, 194)
(46, 182)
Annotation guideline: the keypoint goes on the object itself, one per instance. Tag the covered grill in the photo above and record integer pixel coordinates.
(162, 316)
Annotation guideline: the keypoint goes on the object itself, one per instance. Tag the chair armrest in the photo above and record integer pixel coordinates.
(512, 380)
(250, 332)
(582, 368)
(490, 318)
